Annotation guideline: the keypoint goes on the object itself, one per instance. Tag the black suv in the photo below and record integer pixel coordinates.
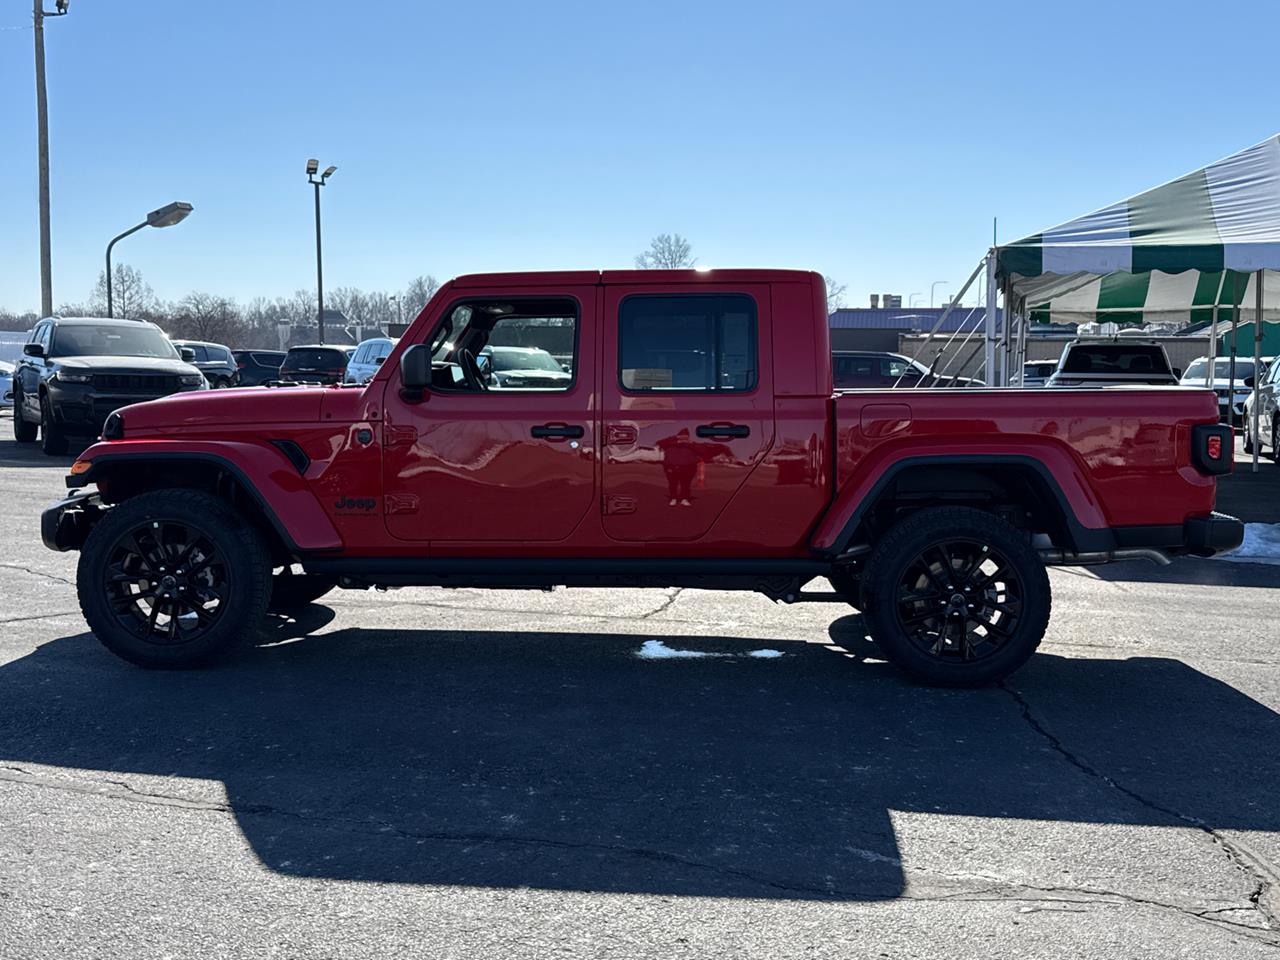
(317, 363)
(258, 366)
(213, 360)
(75, 371)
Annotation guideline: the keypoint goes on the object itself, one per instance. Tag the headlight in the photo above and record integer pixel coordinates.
(66, 376)
(192, 380)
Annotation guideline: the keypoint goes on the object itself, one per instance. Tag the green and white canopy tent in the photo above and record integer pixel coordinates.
(1171, 254)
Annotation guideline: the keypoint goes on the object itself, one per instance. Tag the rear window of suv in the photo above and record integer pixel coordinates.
(1116, 358)
(316, 358)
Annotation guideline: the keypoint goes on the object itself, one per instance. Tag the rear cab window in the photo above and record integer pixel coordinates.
(704, 343)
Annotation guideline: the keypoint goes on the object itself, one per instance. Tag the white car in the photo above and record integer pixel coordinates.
(6, 383)
(516, 368)
(1036, 373)
(1233, 393)
(369, 356)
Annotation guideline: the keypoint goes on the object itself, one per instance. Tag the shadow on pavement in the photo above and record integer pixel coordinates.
(1212, 573)
(562, 761)
(14, 454)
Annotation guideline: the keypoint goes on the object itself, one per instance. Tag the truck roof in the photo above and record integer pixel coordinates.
(579, 277)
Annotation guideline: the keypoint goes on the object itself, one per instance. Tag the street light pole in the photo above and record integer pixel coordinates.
(42, 150)
(312, 167)
(166, 216)
(932, 287)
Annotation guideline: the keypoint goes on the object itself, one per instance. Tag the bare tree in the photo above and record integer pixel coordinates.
(835, 294)
(667, 251)
(131, 296)
(415, 296)
(204, 316)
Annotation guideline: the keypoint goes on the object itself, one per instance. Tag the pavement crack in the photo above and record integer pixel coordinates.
(1263, 876)
(38, 573)
(41, 616)
(666, 604)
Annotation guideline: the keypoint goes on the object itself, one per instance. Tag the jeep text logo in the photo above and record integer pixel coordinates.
(355, 503)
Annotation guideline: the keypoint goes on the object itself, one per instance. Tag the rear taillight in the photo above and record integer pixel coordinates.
(1211, 448)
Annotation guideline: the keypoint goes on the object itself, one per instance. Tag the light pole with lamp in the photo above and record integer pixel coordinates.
(166, 216)
(932, 287)
(318, 182)
(911, 300)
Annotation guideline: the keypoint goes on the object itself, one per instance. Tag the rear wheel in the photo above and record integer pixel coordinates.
(956, 597)
(23, 432)
(1275, 438)
(52, 440)
(173, 579)
(1247, 435)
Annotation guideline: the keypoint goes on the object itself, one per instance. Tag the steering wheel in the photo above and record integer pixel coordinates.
(471, 371)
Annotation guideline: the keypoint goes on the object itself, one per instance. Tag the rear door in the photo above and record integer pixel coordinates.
(687, 403)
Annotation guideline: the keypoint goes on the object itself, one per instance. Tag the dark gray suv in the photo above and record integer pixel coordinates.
(213, 360)
(76, 371)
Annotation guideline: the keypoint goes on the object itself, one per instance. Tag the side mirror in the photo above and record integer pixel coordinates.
(415, 372)
(33, 349)
(1248, 382)
(188, 355)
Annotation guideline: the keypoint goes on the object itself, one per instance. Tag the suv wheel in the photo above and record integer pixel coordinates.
(23, 432)
(956, 597)
(1275, 437)
(1247, 435)
(52, 440)
(173, 579)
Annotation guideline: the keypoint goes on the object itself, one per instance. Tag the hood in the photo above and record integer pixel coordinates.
(173, 367)
(243, 405)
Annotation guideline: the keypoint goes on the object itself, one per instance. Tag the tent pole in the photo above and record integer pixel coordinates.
(1006, 335)
(945, 313)
(1213, 330)
(1024, 317)
(1257, 361)
(1235, 340)
(989, 331)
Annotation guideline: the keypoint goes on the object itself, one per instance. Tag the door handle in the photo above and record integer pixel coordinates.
(557, 431)
(719, 430)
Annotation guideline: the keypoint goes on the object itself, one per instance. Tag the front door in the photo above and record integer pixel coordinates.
(687, 405)
(504, 445)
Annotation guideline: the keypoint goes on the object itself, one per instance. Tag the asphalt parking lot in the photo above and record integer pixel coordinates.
(475, 774)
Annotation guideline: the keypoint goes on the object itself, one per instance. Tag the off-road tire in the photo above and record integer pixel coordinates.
(243, 556)
(898, 553)
(23, 432)
(293, 591)
(52, 440)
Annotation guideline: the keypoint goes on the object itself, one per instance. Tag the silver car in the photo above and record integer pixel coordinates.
(368, 357)
(6, 383)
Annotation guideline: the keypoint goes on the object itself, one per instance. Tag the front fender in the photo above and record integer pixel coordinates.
(262, 470)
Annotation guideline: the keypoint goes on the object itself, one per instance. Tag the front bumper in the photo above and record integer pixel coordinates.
(1216, 533)
(66, 524)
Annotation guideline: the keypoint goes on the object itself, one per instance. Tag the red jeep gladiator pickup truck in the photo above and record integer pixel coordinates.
(650, 428)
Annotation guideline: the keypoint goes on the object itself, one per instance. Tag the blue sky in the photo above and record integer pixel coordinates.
(870, 141)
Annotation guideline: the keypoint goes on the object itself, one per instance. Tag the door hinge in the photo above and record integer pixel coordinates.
(620, 433)
(394, 436)
(400, 503)
(615, 504)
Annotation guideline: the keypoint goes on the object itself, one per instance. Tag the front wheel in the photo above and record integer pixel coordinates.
(173, 579)
(956, 597)
(52, 440)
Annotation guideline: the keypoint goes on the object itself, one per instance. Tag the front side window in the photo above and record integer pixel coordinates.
(505, 344)
(694, 343)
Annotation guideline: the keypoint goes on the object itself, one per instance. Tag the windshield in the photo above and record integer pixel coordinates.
(313, 358)
(523, 360)
(1221, 369)
(129, 339)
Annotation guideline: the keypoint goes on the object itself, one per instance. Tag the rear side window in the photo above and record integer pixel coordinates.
(315, 359)
(1116, 358)
(696, 342)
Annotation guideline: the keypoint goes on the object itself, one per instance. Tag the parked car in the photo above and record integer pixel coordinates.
(1112, 363)
(76, 371)
(213, 360)
(318, 363)
(1036, 373)
(256, 367)
(368, 358)
(521, 368)
(857, 369)
(743, 471)
(1231, 394)
(1268, 398)
(6, 383)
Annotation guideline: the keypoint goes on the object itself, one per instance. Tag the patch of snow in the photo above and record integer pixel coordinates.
(1261, 545)
(657, 650)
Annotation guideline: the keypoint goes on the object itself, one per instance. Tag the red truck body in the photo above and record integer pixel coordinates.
(779, 475)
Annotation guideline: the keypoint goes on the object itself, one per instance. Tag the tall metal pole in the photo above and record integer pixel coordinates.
(42, 137)
(989, 332)
(1257, 361)
(109, 246)
(319, 270)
